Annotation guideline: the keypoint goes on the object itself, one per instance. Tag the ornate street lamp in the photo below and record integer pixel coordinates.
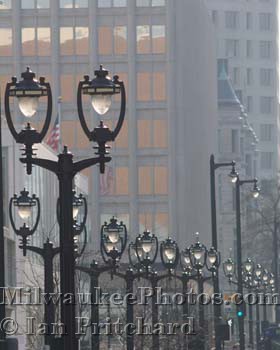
(26, 206)
(233, 174)
(113, 240)
(213, 260)
(28, 91)
(169, 253)
(101, 89)
(146, 249)
(198, 253)
(229, 268)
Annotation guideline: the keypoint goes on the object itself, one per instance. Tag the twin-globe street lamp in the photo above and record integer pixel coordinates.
(257, 279)
(28, 91)
(28, 211)
(235, 179)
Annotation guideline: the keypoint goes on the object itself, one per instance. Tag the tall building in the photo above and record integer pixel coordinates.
(247, 35)
(159, 175)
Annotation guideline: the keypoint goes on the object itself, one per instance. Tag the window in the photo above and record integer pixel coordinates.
(158, 39)
(231, 18)
(266, 160)
(266, 75)
(249, 48)
(152, 180)
(265, 49)
(5, 5)
(150, 39)
(151, 86)
(156, 222)
(152, 133)
(28, 41)
(249, 76)
(68, 4)
(6, 42)
(31, 4)
(105, 42)
(121, 181)
(67, 83)
(43, 41)
(153, 3)
(145, 180)
(120, 40)
(236, 75)
(234, 141)
(143, 39)
(232, 47)
(266, 104)
(73, 40)
(265, 21)
(250, 104)
(249, 21)
(110, 3)
(266, 131)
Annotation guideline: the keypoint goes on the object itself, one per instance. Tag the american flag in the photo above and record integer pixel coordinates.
(54, 136)
(106, 181)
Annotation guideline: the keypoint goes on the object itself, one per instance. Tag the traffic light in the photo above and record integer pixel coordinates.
(241, 310)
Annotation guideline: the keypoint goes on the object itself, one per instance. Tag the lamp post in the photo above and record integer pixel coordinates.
(113, 243)
(25, 208)
(255, 193)
(201, 257)
(213, 167)
(28, 91)
(256, 279)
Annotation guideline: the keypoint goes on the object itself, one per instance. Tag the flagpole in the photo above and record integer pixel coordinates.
(59, 100)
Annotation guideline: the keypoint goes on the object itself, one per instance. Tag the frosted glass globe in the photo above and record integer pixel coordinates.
(101, 103)
(28, 105)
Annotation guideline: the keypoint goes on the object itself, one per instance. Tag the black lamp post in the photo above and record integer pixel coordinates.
(25, 208)
(255, 193)
(200, 257)
(28, 91)
(213, 167)
(113, 242)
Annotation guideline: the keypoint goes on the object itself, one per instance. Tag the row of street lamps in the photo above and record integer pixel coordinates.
(255, 279)
(144, 251)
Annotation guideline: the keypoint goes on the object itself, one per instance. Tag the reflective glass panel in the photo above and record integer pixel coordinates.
(158, 2)
(81, 34)
(158, 38)
(43, 4)
(143, 39)
(28, 41)
(27, 4)
(143, 86)
(119, 3)
(104, 3)
(120, 40)
(5, 5)
(66, 4)
(81, 3)
(159, 87)
(6, 42)
(105, 40)
(66, 41)
(44, 41)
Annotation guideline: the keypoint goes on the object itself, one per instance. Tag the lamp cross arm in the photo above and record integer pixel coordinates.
(250, 181)
(43, 163)
(37, 250)
(85, 163)
(222, 165)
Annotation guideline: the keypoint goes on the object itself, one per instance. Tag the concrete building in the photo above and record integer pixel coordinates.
(247, 35)
(159, 174)
(236, 141)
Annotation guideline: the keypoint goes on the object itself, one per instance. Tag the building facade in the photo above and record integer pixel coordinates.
(158, 178)
(247, 35)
